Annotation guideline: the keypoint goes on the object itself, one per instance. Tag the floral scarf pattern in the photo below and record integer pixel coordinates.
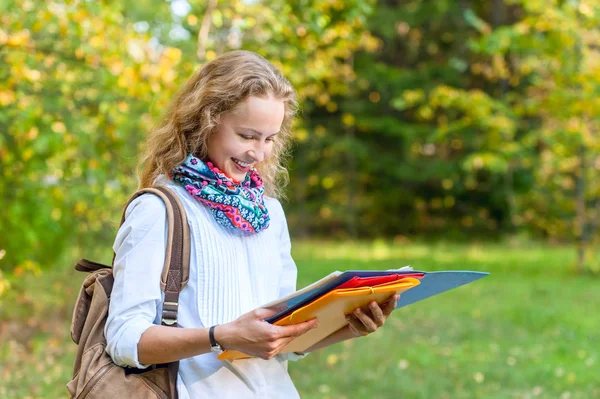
(234, 205)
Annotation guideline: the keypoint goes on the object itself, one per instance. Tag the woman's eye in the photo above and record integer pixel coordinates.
(246, 137)
(270, 139)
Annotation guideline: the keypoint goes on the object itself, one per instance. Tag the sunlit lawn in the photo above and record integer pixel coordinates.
(529, 330)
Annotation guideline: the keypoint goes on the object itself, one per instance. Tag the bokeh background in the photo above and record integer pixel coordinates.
(445, 134)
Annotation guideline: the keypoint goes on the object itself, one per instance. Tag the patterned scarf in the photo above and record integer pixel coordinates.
(234, 205)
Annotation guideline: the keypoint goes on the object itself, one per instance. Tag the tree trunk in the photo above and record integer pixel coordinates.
(353, 182)
(498, 12)
(498, 18)
(205, 29)
(580, 204)
(300, 183)
(352, 186)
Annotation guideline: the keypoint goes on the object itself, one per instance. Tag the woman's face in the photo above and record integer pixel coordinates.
(245, 135)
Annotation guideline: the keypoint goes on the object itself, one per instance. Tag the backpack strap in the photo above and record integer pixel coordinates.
(176, 271)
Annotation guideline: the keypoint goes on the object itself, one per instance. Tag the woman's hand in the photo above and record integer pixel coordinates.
(366, 320)
(251, 334)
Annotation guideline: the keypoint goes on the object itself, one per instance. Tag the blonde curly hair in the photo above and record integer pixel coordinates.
(196, 110)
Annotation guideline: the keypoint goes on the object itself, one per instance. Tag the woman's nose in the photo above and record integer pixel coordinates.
(258, 151)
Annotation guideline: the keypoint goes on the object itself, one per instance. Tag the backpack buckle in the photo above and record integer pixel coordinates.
(168, 321)
(169, 313)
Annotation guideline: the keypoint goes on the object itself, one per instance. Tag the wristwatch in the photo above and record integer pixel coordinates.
(214, 345)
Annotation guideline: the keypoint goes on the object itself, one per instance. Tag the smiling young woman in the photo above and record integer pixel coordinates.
(220, 148)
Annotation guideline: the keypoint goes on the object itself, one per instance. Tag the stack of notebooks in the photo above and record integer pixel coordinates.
(338, 294)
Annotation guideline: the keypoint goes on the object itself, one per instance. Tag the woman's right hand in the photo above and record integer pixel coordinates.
(252, 335)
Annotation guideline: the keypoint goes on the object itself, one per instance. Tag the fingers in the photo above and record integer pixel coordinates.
(356, 326)
(296, 330)
(378, 316)
(365, 321)
(391, 304)
(369, 324)
(282, 335)
(259, 338)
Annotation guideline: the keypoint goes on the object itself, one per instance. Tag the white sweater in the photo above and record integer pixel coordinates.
(231, 273)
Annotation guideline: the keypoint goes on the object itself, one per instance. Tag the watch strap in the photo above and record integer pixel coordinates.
(211, 336)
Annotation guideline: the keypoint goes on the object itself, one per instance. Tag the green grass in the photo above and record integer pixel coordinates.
(529, 330)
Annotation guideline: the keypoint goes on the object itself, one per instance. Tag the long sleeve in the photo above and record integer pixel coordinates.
(136, 296)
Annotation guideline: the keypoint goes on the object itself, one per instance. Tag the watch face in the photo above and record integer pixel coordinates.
(216, 348)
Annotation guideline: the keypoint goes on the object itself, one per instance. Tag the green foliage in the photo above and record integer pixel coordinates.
(554, 50)
(84, 83)
(418, 117)
(75, 99)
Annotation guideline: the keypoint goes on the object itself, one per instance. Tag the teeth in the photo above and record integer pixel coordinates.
(242, 164)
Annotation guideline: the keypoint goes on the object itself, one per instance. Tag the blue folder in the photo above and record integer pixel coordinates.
(432, 283)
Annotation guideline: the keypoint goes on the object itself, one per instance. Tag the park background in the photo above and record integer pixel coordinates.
(445, 134)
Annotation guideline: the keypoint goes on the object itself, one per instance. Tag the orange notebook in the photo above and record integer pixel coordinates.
(331, 310)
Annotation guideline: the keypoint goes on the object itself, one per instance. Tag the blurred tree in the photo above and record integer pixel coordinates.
(557, 52)
(75, 92)
(417, 116)
(84, 81)
(431, 137)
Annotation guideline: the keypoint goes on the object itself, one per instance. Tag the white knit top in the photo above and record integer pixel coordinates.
(231, 273)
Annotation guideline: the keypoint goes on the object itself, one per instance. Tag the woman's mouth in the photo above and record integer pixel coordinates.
(242, 166)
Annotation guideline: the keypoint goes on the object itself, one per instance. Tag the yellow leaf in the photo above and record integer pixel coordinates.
(301, 31)
(328, 182)
(96, 41)
(374, 97)
(332, 359)
(301, 135)
(169, 76)
(32, 133)
(18, 39)
(116, 67)
(192, 20)
(173, 54)
(7, 97)
(28, 154)
(348, 119)
(325, 212)
(447, 184)
(320, 130)
(80, 207)
(4, 284)
(32, 74)
(56, 214)
(59, 127)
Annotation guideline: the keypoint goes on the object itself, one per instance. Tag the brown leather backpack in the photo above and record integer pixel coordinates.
(95, 375)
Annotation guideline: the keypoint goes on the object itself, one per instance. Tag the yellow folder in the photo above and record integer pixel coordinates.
(331, 310)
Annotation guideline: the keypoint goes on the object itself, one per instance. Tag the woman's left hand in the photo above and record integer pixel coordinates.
(366, 320)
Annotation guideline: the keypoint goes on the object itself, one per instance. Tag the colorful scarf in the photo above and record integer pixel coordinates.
(234, 205)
